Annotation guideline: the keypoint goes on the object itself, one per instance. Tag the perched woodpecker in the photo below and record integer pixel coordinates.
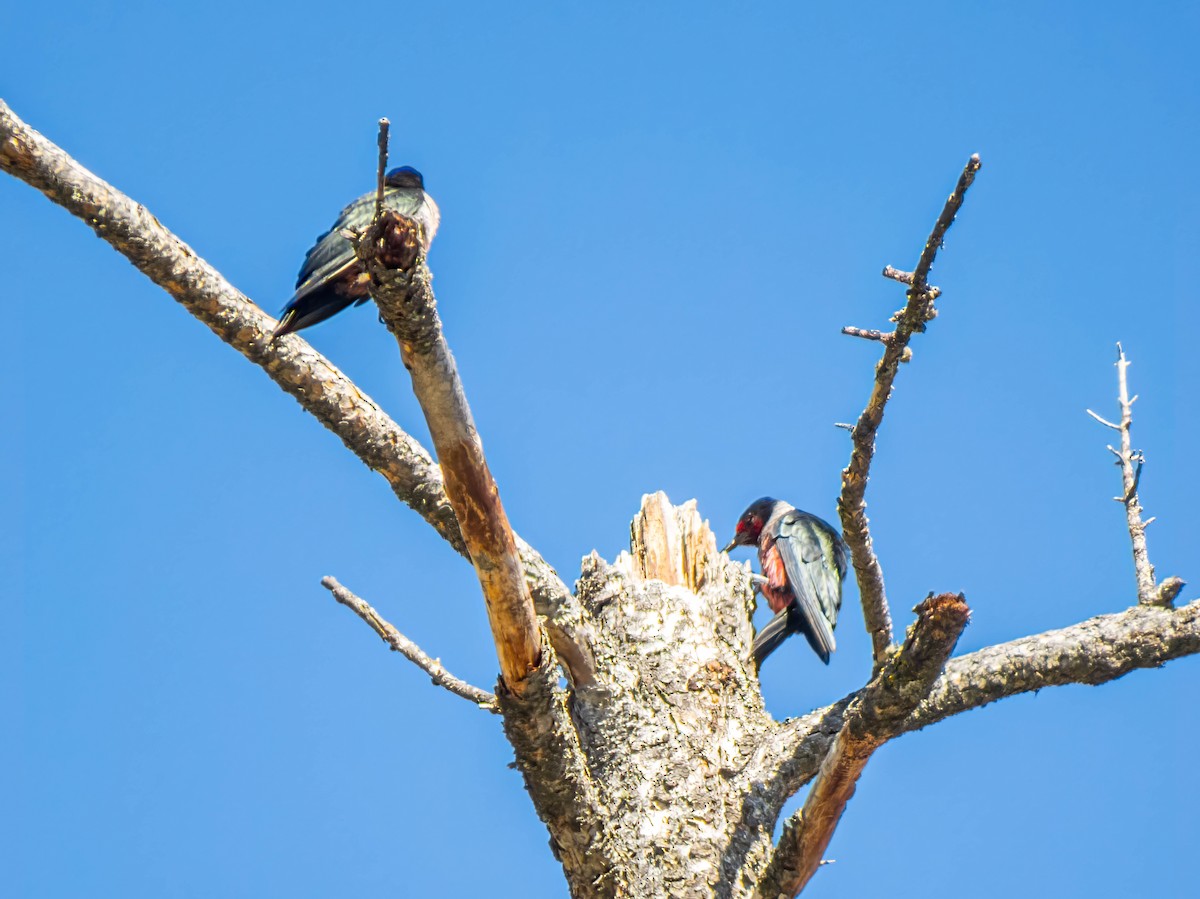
(803, 563)
(332, 277)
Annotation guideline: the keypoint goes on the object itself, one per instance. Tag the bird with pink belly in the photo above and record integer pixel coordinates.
(803, 563)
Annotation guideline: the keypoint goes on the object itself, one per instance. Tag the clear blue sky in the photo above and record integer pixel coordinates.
(654, 224)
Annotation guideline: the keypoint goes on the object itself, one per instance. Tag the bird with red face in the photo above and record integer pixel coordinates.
(803, 563)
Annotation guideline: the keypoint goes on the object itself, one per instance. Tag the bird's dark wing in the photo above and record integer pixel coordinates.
(332, 252)
(815, 560)
(329, 279)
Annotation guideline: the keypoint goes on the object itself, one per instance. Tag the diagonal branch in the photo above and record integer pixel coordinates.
(852, 506)
(320, 388)
(392, 251)
(1094, 651)
(876, 715)
(1130, 462)
(407, 648)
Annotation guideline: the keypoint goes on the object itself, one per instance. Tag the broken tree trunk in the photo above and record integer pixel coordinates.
(670, 738)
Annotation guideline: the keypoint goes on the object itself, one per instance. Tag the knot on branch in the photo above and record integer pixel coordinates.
(940, 619)
(907, 676)
(392, 252)
(918, 311)
(1168, 590)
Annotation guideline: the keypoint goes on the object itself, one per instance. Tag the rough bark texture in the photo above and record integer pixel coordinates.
(401, 286)
(654, 785)
(1092, 652)
(672, 731)
(565, 793)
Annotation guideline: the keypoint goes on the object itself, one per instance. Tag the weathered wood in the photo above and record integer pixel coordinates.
(664, 777)
(671, 733)
(392, 251)
(875, 716)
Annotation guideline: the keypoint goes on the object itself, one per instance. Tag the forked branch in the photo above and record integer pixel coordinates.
(874, 716)
(852, 506)
(1094, 651)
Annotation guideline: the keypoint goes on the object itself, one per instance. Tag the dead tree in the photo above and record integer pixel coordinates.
(656, 768)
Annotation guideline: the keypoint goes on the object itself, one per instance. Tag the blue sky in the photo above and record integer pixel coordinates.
(654, 225)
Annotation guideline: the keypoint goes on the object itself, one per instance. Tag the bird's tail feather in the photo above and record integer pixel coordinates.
(773, 633)
(308, 310)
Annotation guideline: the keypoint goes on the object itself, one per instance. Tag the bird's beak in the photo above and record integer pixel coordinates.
(732, 544)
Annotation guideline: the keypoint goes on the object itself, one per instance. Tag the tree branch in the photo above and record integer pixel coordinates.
(407, 648)
(1130, 462)
(876, 715)
(852, 506)
(1093, 652)
(393, 252)
(320, 388)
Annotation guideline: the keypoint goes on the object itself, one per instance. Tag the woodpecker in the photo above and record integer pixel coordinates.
(332, 277)
(803, 563)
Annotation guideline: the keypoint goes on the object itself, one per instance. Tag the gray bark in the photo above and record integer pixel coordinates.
(663, 776)
(669, 733)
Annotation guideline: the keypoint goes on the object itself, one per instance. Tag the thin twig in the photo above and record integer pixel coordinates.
(896, 275)
(852, 503)
(1130, 461)
(942, 225)
(868, 334)
(875, 716)
(380, 176)
(407, 648)
(1103, 421)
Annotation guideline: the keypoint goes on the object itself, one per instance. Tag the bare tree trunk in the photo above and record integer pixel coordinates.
(653, 762)
(684, 772)
(669, 732)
